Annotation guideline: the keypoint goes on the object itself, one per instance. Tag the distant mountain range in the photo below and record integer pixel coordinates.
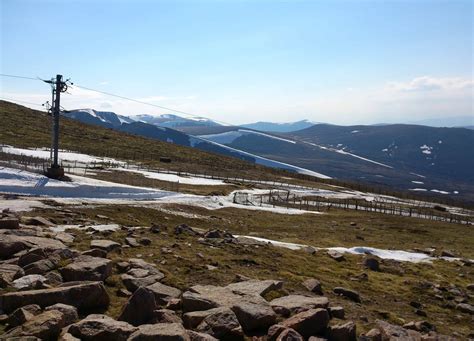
(279, 127)
(436, 161)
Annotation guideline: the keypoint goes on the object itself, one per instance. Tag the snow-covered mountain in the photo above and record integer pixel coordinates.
(175, 121)
(279, 127)
(103, 118)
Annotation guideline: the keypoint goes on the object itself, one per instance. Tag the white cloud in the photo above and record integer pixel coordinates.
(427, 83)
(104, 83)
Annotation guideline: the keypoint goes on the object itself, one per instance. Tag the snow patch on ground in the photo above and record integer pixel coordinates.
(21, 205)
(439, 191)
(264, 161)
(418, 182)
(64, 155)
(104, 227)
(399, 255)
(426, 149)
(175, 178)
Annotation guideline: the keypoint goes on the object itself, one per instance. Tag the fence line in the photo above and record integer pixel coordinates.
(281, 194)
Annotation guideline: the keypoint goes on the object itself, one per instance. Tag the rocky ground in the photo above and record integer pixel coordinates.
(142, 284)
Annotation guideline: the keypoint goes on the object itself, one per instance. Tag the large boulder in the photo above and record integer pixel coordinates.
(82, 295)
(9, 245)
(222, 324)
(23, 314)
(255, 287)
(8, 272)
(133, 283)
(104, 244)
(392, 332)
(87, 268)
(192, 319)
(343, 332)
(42, 266)
(45, 326)
(30, 282)
(309, 322)
(163, 293)
(98, 327)
(291, 304)
(69, 312)
(32, 256)
(160, 332)
(139, 308)
(202, 297)
(254, 316)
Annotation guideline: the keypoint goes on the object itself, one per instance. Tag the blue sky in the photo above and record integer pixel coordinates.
(239, 61)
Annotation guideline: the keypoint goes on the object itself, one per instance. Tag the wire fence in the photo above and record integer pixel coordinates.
(287, 199)
(280, 193)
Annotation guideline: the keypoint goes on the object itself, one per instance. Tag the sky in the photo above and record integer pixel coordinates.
(342, 62)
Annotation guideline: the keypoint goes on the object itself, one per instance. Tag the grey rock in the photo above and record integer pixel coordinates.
(222, 324)
(45, 326)
(290, 335)
(87, 268)
(139, 308)
(313, 285)
(102, 328)
(192, 319)
(70, 314)
(290, 304)
(82, 295)
(195, 336)
(160, 332)
(103, 244)
(309, 322)
(350, 294)
(132, 283)
(465, 308)
(254, 316)
(343, 332)
(336, 312)
(32, 256)
(30, 282)
(165, 316)
(163, 293)
(95, 253)
(23, 314)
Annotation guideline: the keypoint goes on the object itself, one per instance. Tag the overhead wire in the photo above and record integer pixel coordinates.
(126, 98)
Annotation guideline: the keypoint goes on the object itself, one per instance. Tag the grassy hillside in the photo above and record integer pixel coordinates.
(24, 127)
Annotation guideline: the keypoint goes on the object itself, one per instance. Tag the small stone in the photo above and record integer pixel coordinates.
(313, 285)
(145, 241)
(372, 264)
(131, 242)
(350, 294)
(337, 312)
(336, 255)
(465, 308)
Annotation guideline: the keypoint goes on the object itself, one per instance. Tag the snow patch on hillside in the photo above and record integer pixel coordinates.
(175, 178)
(64, 155)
